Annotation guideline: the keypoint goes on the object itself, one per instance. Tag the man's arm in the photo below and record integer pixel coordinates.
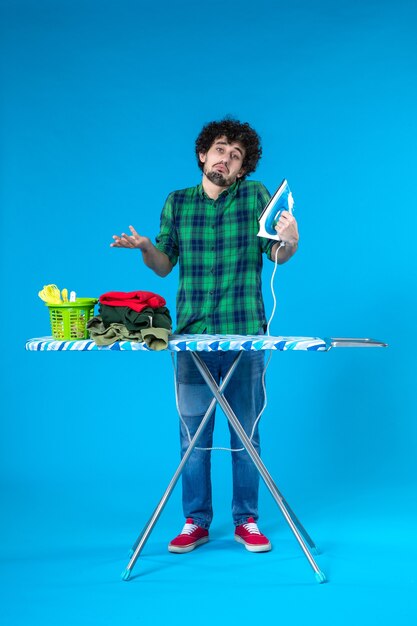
(152, 257)
(285, 252)
(287, 229)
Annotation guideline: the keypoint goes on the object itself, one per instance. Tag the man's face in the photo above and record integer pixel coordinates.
(223, 162)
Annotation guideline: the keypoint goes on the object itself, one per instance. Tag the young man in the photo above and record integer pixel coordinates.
(211, 229)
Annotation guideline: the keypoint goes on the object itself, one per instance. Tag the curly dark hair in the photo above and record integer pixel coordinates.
(233, 130)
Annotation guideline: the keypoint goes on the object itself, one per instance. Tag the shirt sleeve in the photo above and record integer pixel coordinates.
(167, 239)
(263, 198)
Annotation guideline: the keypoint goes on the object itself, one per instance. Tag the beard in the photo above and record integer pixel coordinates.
(218, 178)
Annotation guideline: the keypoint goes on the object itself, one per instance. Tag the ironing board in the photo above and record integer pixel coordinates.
(210, 343)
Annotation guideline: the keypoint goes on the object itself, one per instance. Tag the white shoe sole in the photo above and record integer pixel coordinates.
(265, 548)
(182, 549)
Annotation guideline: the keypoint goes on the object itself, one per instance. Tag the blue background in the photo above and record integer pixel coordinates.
(100, 107)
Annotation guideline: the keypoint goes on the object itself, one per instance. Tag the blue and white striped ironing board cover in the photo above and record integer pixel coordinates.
(193, 343)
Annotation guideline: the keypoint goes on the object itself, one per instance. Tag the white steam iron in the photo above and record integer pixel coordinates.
(282, 200)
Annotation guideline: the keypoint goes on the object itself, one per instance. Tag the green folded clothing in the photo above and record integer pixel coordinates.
(155, 338)
(149, 317)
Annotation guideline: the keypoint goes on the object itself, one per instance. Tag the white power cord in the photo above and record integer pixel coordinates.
(281, 245)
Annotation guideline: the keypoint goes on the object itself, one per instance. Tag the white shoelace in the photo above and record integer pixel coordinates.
(252, 528)
(189, 529)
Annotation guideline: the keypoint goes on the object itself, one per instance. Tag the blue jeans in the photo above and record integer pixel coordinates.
(245, 395)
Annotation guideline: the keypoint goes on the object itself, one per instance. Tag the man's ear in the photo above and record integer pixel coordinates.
(202, 156)
(241, 173)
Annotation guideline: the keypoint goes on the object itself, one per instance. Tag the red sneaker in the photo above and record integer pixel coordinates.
(189, 538)
(251, 537)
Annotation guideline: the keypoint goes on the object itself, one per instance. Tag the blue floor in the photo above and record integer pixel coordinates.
(61, 560)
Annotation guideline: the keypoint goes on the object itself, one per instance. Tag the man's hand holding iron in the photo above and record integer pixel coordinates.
(287, 228)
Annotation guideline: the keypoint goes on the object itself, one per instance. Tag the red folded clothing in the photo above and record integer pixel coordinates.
(136, 300)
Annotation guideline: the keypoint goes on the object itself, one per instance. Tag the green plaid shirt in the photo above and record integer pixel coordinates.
(220, 287)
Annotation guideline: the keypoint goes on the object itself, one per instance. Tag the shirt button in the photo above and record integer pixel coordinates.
(211, 292)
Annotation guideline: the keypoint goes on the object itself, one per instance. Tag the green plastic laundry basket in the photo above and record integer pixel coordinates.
(69, 319)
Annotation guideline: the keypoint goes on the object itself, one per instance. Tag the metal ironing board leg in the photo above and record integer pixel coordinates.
(217, 392)
(144, 535)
